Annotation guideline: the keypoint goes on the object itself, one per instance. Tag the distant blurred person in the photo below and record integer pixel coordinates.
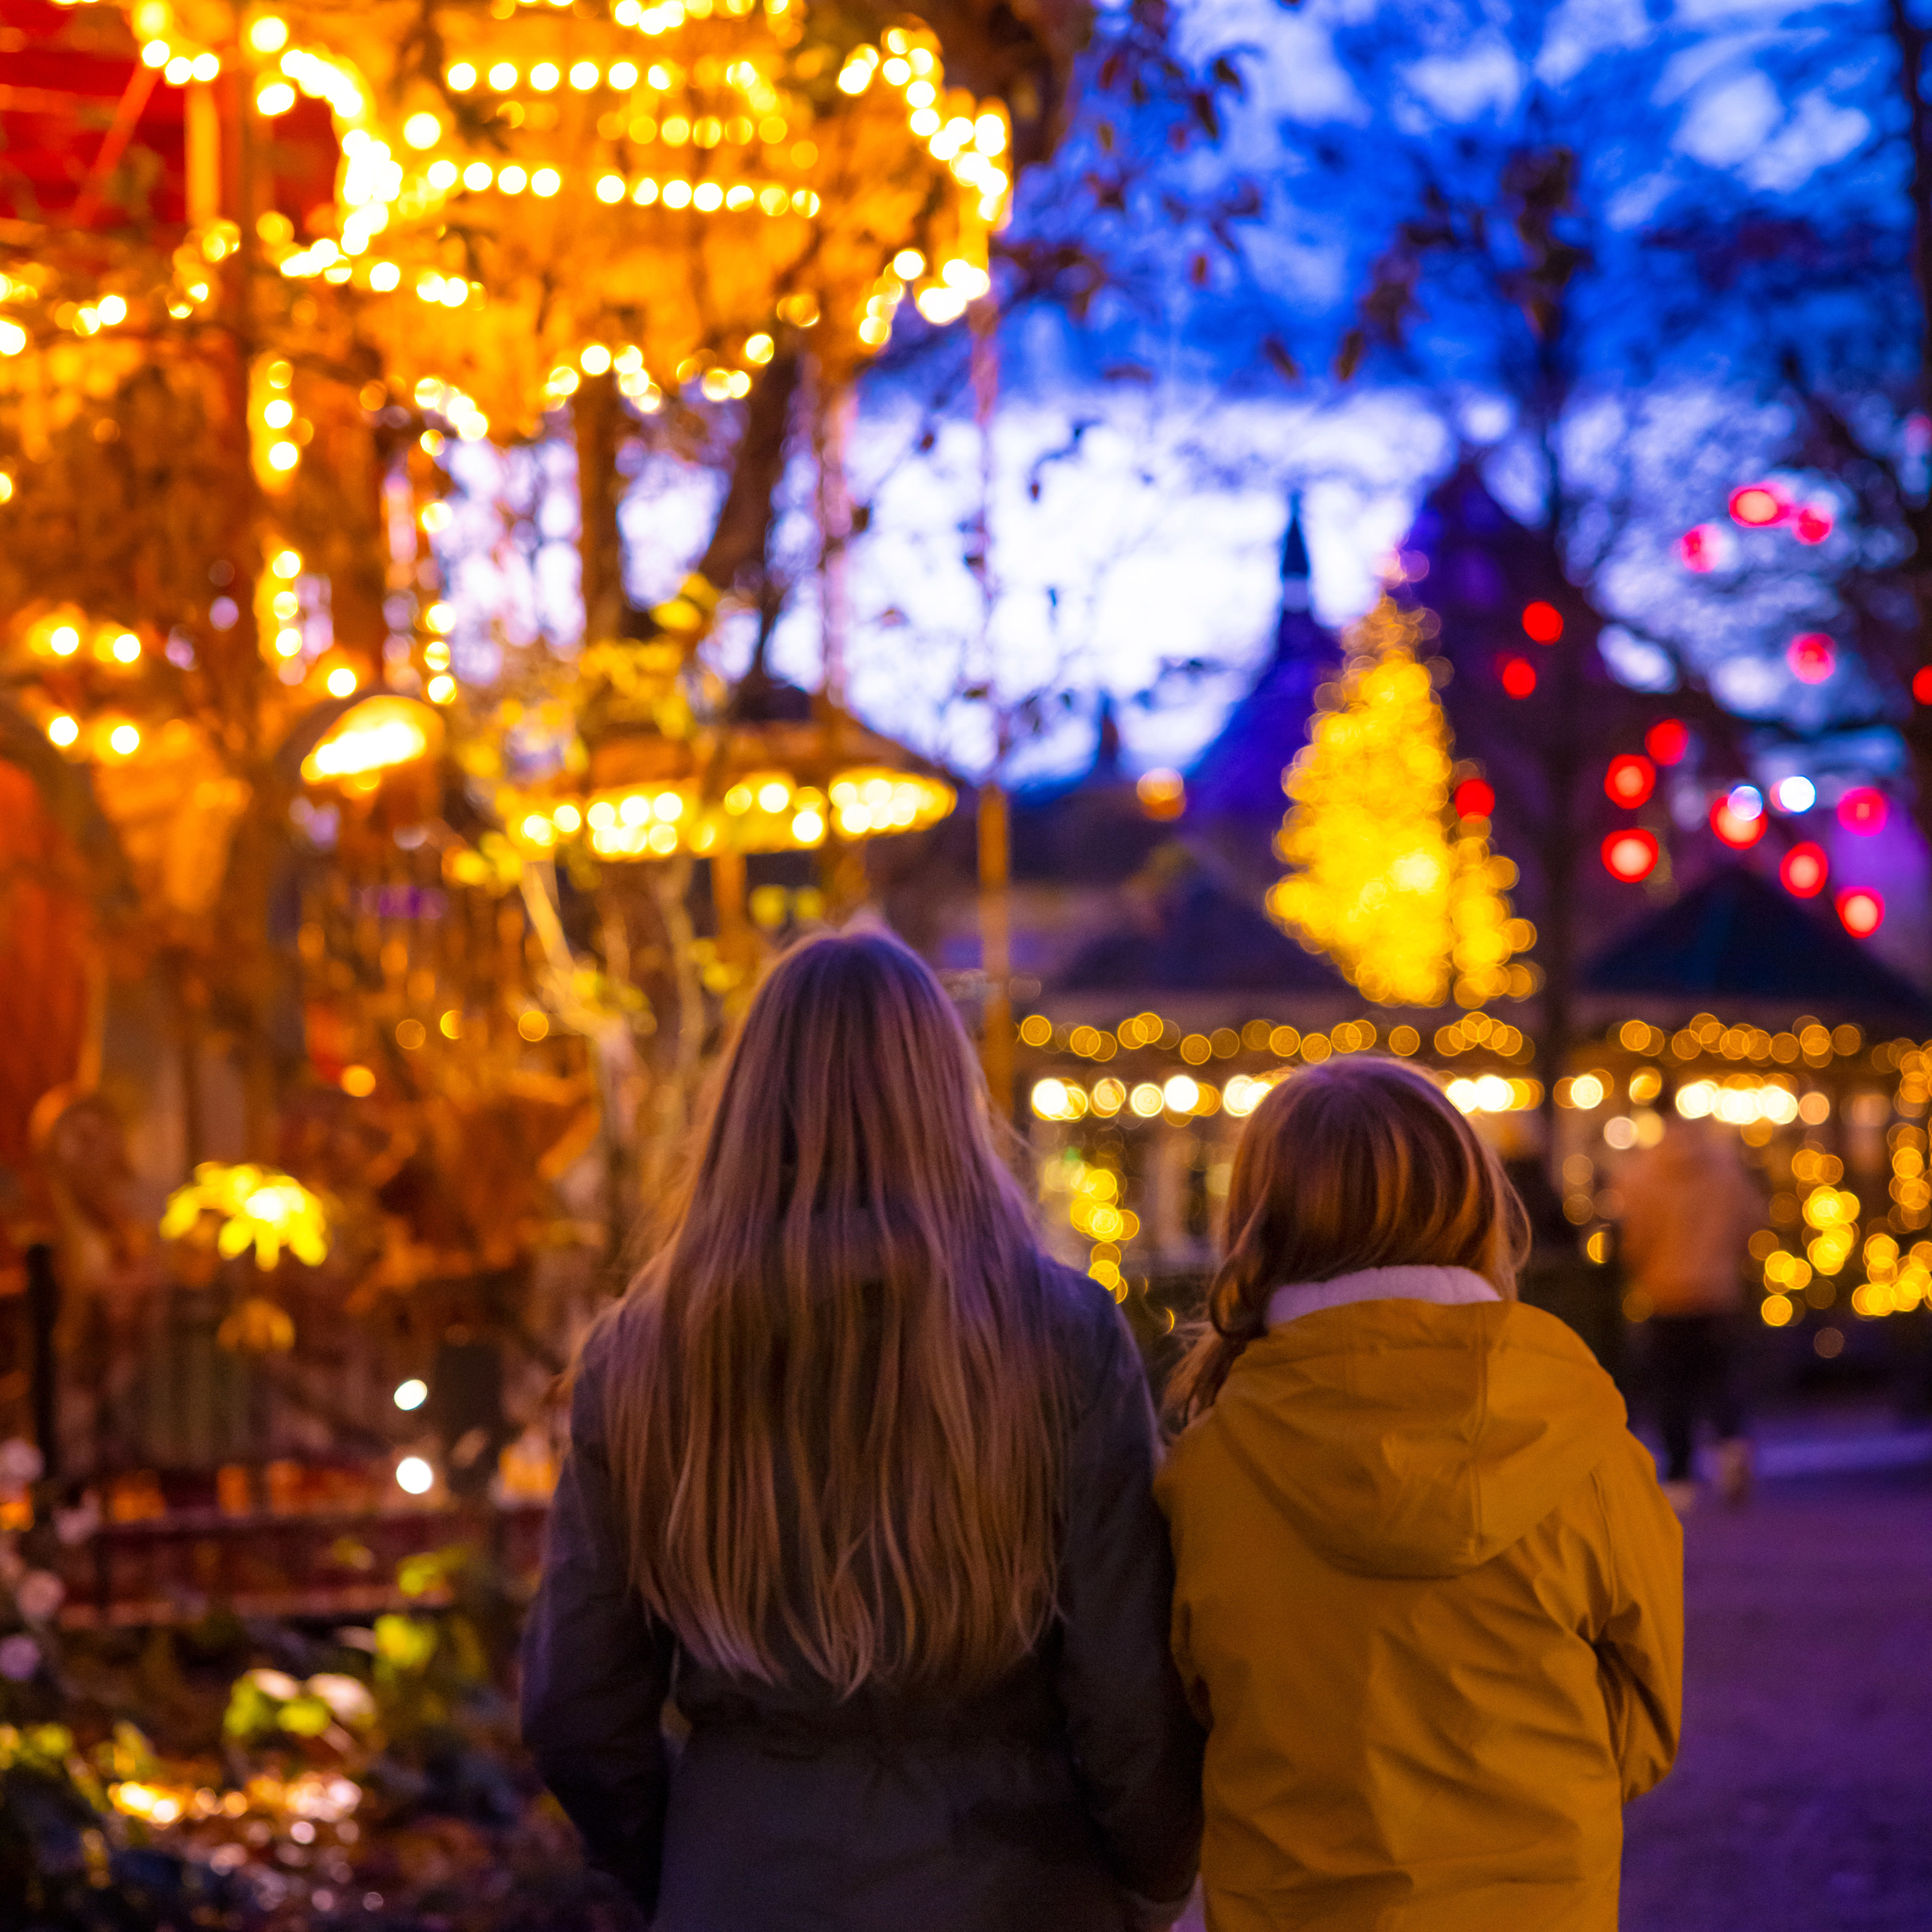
(1689, 1211)
(864, 1481)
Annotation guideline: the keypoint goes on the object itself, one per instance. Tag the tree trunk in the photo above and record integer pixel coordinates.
(739, 538)
(598, 416)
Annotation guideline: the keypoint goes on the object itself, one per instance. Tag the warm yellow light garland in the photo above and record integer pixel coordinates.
(658, 192)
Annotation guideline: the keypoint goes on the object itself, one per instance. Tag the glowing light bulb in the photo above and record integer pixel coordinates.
(1630, 855)
(415, 1475)
(411, 1394)
(1629, 781)
(1861, 911)
(1804, 870)
(1757, 506)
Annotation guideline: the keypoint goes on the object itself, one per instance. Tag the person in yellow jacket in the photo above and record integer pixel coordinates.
(1428, 1595)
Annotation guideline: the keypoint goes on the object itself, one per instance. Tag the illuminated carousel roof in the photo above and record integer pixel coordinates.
(1193, 936)
(1737, 938)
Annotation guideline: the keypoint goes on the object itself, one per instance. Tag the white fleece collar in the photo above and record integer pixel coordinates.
(1447, 1287)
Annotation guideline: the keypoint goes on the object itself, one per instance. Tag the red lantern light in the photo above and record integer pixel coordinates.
(1757, 506)
(1518, 676)
(1861, 911)
(1542, 622)
(1629, 781)
(1921, 684)
(1811, 657)
(1804, 870)
(1475, 800)
(1630, 855)
(1864, 809)
(1734, 828)
(1667, 740)
(1702, 549)
(1812, 524)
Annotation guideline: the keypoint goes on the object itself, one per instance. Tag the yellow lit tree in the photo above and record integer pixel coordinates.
(1406, 898)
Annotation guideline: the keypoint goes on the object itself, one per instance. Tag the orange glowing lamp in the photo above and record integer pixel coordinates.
(1739, 819)
(1758, 506)
(1667, 740)
(1542, 622)
(1629, 781)
(1804, 869)
(1861, 911)
(1517, 675)
(1630, 855)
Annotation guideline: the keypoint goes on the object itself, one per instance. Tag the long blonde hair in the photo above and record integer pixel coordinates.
(1357, 1163)
(833, 1422)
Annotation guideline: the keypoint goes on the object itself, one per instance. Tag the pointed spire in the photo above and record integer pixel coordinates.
(1107, 740)
(1294, 567)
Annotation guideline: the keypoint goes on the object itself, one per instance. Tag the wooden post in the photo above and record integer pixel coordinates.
(43, 1300)
(831, 425)
(201, 115)
(996, 1046)
(598, 417)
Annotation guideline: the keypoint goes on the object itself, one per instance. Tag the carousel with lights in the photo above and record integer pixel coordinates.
(422, 964)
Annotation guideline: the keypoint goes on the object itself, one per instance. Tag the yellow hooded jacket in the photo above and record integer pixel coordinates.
(1429, 1599)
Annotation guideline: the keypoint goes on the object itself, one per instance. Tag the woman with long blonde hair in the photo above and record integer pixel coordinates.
(1429, 1596)
(861, 1483)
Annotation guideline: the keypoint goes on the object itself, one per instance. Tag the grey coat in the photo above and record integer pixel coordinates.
(1067, 1799)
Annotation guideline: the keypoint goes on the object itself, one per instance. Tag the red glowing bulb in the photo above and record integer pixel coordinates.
(1861, 911)
(1629, 781)
(1667, 740)
(1734, 828)
(1757, 506)
(1702, 549)
(1543, 622)
(1475, 800)
(1630, 855)
(1921, 684)
(1812, 524)
(1811, 657)
(1864, 809)
(1518, 676)
(1804, 870)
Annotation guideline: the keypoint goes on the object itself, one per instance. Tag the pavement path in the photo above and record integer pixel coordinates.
(1802, 1799)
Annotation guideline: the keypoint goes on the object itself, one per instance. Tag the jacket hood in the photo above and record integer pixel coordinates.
(1403, 1438)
